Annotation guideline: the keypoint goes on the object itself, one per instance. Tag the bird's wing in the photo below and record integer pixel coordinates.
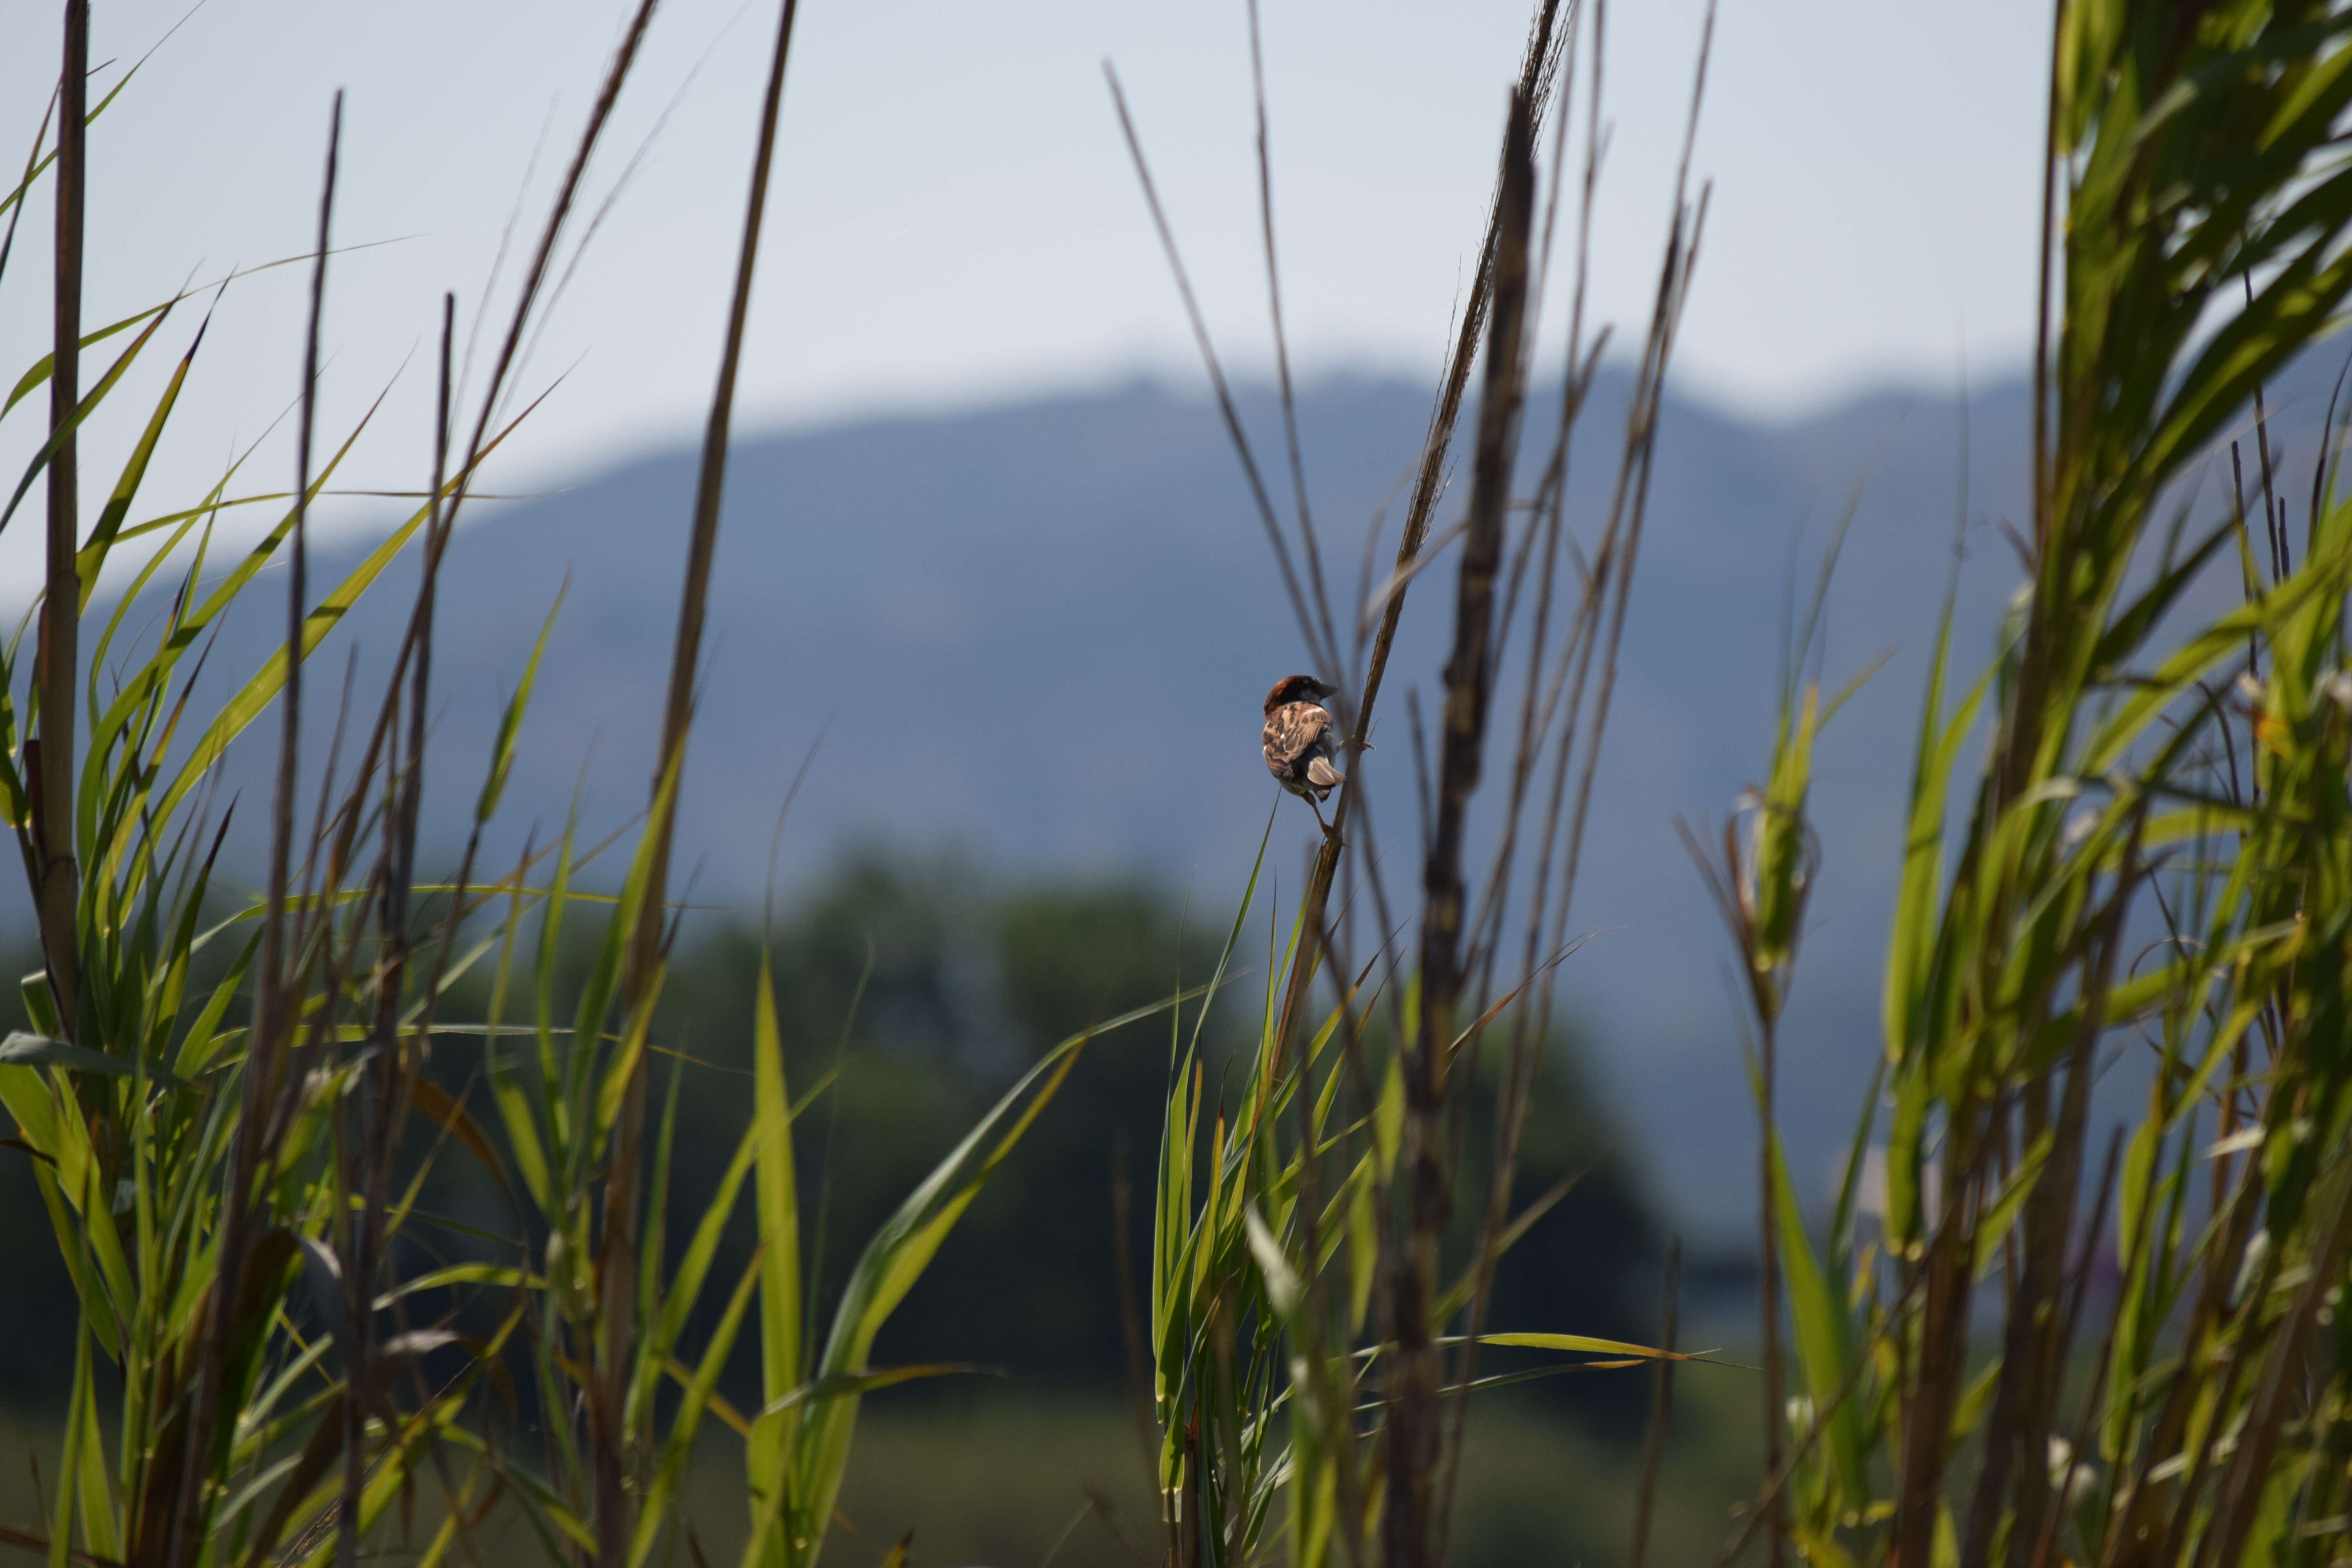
(1295, 730)
(1320, 771)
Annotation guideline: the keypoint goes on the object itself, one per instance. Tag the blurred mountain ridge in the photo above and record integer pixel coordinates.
(1038, 632)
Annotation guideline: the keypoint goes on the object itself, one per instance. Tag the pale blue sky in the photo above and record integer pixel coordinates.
(953, 218)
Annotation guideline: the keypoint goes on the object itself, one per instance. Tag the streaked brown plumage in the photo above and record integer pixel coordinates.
(1301, 738)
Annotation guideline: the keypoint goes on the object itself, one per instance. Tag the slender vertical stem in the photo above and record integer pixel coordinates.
(1927, 1417)
(1769, 1276)
(1413, 1438)
(272, 1002)
(275, 1006)
(1534, 84)
(437, 542)
(1308, 625)
(384, 1078)
(1322, 603)
(2043, 500)
(2019, 737)
(263, 1073)
(270, 999)
(624, 59)
(617, 1342)
(58, 660)
(1662, 1406)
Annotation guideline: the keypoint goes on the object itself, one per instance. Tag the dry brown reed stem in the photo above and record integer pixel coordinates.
(1310, 1322)
(413, 661)
(253, 1129)
(436, 541)
(1312, 549)
(709, 488)
(1539, 70)
(2012, 1475)
(2084, 1266)
(1662, 1408)
(412, 668)
(2038, 1331)
(1550, 510)
(1732, 881)
(405, 783)
(623, 58)
(2046, 278)
(265, 1083)
(58, 658)
(2282, 1388)
(387, 1077)
(1776, 1482)
(617, 1343)
(2173, 1503)
(1767, 1271)
(1607, 589)
(1414, 1365)
(1534, 84)
(445, 509)
(1267, 516)
(1940, 1351)
(1606, 581)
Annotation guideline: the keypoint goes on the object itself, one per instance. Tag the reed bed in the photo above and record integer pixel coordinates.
(2042, 1343)
(2059, 1341)
(2149, 868)
(230, 1114)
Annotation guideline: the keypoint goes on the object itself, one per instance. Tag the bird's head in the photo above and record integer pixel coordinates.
(1298, 688)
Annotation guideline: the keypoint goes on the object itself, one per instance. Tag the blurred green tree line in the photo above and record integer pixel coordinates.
(924, 987)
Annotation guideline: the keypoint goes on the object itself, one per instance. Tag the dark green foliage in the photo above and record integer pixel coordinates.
(970, 982)
(34, 1365)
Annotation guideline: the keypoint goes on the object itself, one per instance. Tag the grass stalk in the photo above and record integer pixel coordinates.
(1329, 640)
(1414, 1376)
(1662, 1409)
(1227, 409)
(56, 665)
(274, 1005)
(1536, 67)
(616, 1526)
(1605, 597)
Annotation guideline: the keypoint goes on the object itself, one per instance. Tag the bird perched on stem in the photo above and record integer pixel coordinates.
(1301, 738)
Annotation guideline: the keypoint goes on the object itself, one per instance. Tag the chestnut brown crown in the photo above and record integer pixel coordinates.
(1297, 689)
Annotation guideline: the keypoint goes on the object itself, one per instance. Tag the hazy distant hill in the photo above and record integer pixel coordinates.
(1041, 632)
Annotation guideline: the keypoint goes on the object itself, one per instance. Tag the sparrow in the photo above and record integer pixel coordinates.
(1300, 740)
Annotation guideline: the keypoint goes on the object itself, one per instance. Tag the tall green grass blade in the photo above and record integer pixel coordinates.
(661, 1492)
(781, 1355)
(1823, 1335)
(37, 378)
(897, 1255)
(91, 559)
(510, 718)
(72, 423)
